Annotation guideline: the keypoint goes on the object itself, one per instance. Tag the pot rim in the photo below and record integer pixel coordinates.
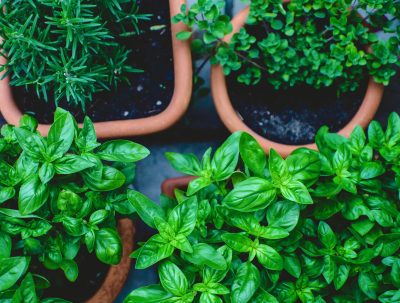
(117, 274)
(169, 185)
(233, 122)
(178, 105)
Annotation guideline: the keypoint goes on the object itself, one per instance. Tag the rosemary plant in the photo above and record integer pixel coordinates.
(67, 49)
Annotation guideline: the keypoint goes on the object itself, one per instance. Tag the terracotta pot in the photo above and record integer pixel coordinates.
(133, 127)
(117, 274)
(233, 122)
(169, 185)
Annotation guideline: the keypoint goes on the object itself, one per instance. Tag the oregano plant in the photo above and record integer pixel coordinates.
(319, 226)
(59, 195)
(301, 42)
(70, 49)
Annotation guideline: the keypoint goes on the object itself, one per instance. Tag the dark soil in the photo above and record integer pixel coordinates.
(91, 276)
(149, 93)
(292, 116)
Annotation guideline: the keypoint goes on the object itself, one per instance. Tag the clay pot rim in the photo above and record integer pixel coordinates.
(233, 122)
(133, 127)
(117, 274)
(169, 185)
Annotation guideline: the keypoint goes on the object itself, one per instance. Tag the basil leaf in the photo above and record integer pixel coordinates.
(146, 209)
(11, 270)
(250, 195)
(70, 164)
(173, 279)
(108, 246)
(238, 242)
(204, 254)
(183, 217)
(283, 214)
(148, 294)
(226, 158)
(26, 293)
(62, 131)
(252, 154)
(122, 151)
(185, 163)
(245, 284)
(153, 251)
(32, 195)
(5, 245)
(269, 257)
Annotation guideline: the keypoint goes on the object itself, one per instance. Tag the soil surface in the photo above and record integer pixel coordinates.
(150, 92)
(292, 116)
(91, 276)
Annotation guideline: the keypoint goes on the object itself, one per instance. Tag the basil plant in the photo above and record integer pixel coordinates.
(57, 194)
(319, 226)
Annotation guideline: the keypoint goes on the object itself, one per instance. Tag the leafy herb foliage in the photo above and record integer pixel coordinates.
(69, 49)
(319, 226)
(57, 194)
(318, 43)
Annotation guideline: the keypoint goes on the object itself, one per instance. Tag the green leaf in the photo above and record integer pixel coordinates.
(297, 192)
(32, 195)
(173, 279)
(153, 251)
(6, 193)
(11, 270)
(252, 154)
(278, 169)
(198, 184)
(148, 294)
(108, 246)
(291, 264)
(70, 269)
(238, 242)
(183, 35)
(183, 217)
(245, 284)
(269, 257)
(185, 163)
(370, 170)
(250, 195)
(5, 245)
(146, 209)
(26, 293)
(87, 140)
(62, 131)
(122, 151)
(368, 284)
(283, 214)
(111, 179)
(46, 172)
(226, 158)
(326, 235)
(341, 276)
(204, 254)
(376, 135)
(70, 164)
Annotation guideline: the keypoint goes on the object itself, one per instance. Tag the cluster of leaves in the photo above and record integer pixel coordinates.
(56, 195)
(68, 48)
(318, 43)
(320, 226)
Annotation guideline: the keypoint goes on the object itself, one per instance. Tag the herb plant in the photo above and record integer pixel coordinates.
(67, 49)
(320, 226)
(57, 194)
(305, 42)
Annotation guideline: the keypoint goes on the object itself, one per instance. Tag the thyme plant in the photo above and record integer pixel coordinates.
(67, 49)
(318, 43)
